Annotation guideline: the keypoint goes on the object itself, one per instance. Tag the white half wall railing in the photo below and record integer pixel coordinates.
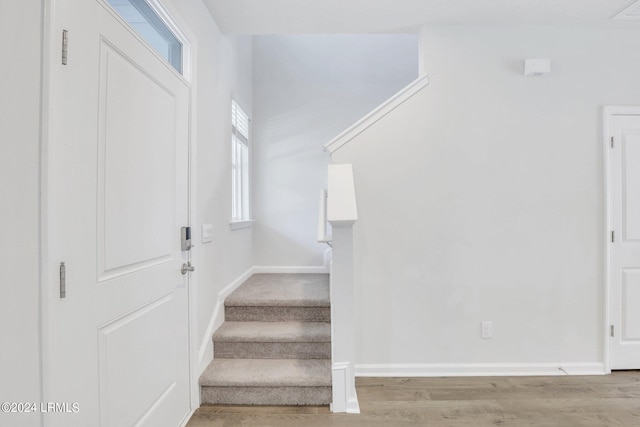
(342, 214)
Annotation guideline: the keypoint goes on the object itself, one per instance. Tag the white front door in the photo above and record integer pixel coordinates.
(624, 214)
(116, 346)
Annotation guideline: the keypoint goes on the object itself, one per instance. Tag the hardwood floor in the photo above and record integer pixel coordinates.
(612, 400)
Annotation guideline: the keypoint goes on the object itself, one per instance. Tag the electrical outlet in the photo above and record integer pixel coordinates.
(487, 329)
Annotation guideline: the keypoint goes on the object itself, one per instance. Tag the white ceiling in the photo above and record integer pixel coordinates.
(384, 16)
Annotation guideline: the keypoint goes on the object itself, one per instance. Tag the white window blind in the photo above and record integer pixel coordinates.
(239, 120)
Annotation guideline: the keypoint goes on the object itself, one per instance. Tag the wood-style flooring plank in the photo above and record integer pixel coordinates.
(611, 400)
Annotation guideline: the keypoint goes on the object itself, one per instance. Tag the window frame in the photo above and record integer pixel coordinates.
(241, 212)
(164, 18)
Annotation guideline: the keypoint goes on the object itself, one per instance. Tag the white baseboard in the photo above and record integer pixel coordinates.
(290, 270)
(353, 406)
(478, 369)
(344, 397)
(320, 269)
(339, 387)
(205, 354)
(186, 419)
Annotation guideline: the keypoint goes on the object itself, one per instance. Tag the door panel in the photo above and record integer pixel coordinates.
(136, 165)
(630, 179)
(630, 305)
(118, 343)
(624, 191)
(132, 358)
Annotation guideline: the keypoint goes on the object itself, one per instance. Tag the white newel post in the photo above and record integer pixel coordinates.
(342, 215)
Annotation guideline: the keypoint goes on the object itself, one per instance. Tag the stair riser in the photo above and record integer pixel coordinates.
(277, 314)
(271, 350)
(299, 396)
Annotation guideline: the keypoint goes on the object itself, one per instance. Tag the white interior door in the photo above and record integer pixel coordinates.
(117, 344)
(624, 213)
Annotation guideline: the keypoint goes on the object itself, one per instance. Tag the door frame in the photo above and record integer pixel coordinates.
(609, 111)
(50, 55)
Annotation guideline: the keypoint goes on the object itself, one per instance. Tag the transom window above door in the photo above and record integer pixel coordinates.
(145, 20)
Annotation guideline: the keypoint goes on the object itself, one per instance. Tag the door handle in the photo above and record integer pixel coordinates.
(186, 267)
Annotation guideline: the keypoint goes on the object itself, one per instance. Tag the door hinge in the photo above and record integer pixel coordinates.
(65, 46)
(63, 280)
(611, 331)
(611, 142)
(613, 236)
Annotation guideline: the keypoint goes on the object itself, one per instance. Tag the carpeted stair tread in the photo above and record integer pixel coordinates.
(284, 290)
(267, 373)
(273, 332)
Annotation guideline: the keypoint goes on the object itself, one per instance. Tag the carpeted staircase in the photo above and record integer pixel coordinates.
(274, 347)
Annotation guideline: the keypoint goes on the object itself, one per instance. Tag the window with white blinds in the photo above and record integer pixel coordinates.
(240, 163)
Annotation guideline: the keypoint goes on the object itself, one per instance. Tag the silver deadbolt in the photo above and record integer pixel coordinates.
(186, 267)
(185, 238)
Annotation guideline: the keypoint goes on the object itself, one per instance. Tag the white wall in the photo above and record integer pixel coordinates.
(481, 199)
(223, 70)
(307, 90)
(20, 30)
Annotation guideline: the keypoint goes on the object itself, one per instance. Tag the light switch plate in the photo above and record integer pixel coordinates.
(207, 230)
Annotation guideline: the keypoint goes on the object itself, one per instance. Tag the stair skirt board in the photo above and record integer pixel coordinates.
(205, 353)
(276, 396)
